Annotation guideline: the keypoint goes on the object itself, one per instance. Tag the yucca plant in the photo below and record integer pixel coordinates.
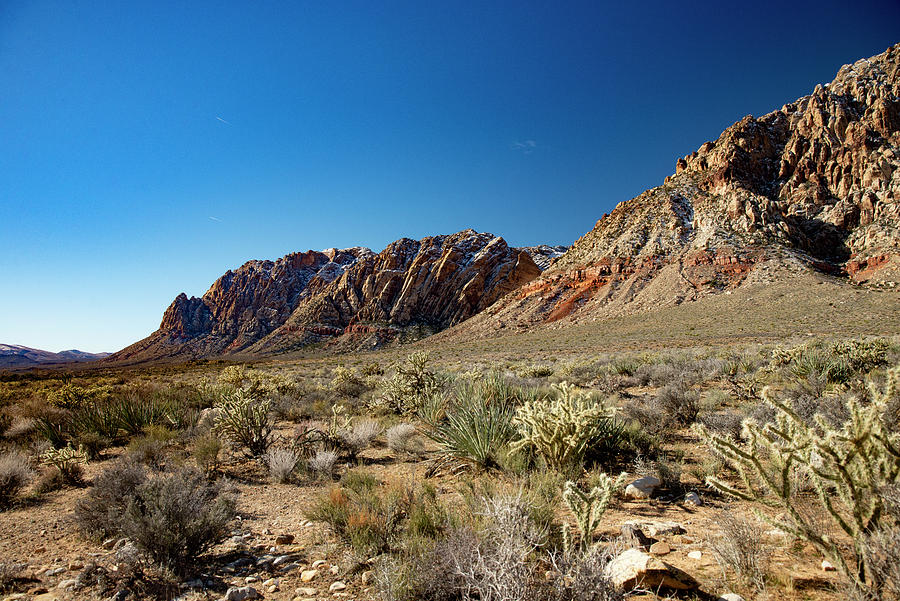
(475, 430)
(101, 419)
(134, 414)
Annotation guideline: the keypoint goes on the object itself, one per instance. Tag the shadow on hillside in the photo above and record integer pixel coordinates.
(822, 240)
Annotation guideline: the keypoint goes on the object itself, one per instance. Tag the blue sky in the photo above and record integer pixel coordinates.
(147, 147)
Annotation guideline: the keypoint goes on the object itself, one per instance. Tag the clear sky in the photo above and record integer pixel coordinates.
(147, 147)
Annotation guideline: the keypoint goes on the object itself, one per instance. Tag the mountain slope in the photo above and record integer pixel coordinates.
(274, 306)
(814, 185)
(12, 355)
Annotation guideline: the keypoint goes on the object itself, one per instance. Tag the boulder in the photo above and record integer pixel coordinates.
(636, 569)
(642, 488)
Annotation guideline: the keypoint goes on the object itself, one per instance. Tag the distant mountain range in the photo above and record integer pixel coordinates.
(12, 355)
(813, 186)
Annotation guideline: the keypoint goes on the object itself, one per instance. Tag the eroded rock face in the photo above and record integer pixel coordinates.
(271, 306)
(814, 185)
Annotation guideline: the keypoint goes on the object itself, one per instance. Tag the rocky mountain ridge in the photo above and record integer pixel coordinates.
(813, 185)
(412, 286)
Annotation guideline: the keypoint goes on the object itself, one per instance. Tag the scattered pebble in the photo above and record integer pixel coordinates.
(240, 593)
(695, 555)
(660, 548)
(827, 566)
(336, 586)
(308, 575)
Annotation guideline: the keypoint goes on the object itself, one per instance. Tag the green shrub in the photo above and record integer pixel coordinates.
(562, 429)
(175, 518)
(150, 448)
(678, 403)
(367, 516)
(206, 452)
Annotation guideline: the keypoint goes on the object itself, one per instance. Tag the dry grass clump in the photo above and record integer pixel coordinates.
(360, 437)
(741, 547)
(283, 464)
(322, 463)
(403, 438)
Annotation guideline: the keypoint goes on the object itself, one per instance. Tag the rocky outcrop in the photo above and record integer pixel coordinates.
(273, 306)
(814, 185)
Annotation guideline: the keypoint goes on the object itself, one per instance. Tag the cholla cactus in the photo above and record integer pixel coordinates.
(332, 437)
(862, 355)
(411, 384)
(67, 460)
(561, 429)
(848, 467)
(245, 420)
(588, 508)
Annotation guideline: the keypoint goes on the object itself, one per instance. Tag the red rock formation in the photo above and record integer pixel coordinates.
(816, 183)
(273, 306)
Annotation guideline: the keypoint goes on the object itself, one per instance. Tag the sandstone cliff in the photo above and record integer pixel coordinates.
(411, 286)
(814, 185)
